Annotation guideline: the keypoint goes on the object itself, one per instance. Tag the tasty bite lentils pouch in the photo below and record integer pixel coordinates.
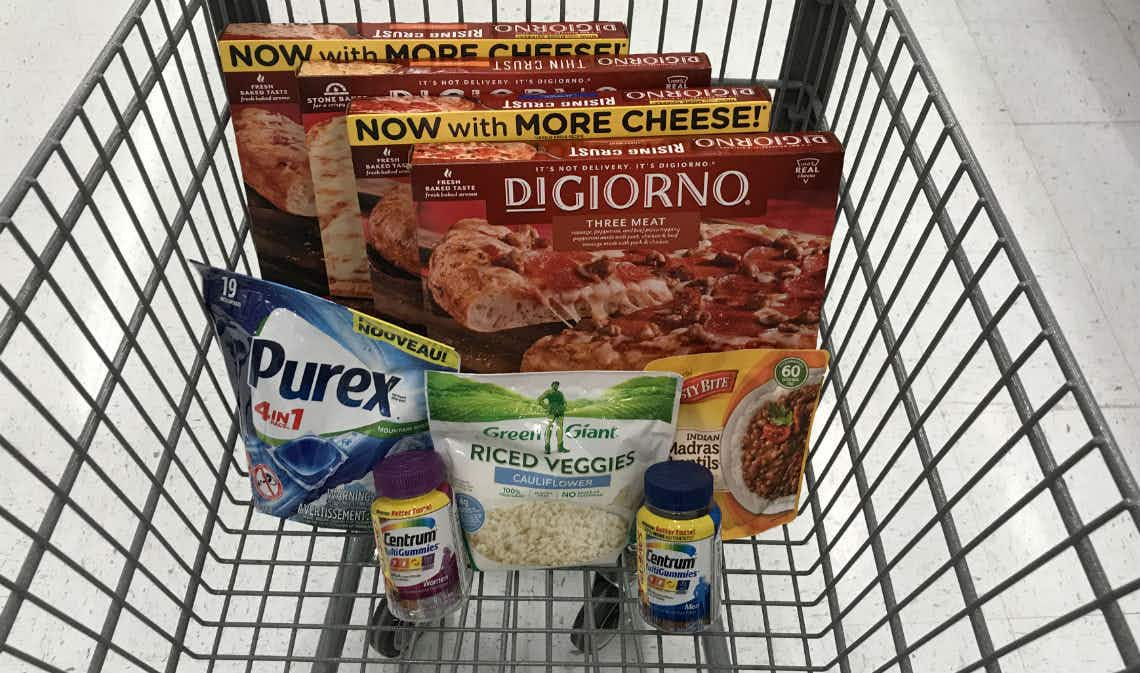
(746, 415)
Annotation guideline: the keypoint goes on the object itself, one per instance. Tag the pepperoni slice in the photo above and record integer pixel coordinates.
(793, 309)
(815, 264)
(556, 271)
(694, 268)
(737, 241)
(740, 291)
(644, 257)
(805, 286)
(731, 323)
(631, 273)
(766, 260)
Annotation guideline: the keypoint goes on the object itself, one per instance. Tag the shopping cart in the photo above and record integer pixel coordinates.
(966, 506)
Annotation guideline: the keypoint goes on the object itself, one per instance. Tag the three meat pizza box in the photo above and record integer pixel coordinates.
(609, 254)
(383, 215)
(381, 150)
(259, 63)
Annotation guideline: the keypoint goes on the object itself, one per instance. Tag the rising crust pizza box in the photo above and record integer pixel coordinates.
(259, 64)
(384, 132)
(385, 203)
(607, 254)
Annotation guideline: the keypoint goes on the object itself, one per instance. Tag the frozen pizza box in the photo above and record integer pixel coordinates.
(608, 254)
(327, 86)
(385, 203)
(259, 63)
(419, 41)
(377, 159)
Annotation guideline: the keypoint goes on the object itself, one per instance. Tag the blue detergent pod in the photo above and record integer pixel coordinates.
(362, 452)
(310, 460)
(324, 393)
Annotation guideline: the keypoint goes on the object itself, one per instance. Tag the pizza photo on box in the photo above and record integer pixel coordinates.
(306, 227)
(391, 233)
(611, 254)
(271, 146)
(383, 194)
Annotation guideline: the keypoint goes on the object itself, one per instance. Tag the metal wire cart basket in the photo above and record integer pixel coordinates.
(965, 507)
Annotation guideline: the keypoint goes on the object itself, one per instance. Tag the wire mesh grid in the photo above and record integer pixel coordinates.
(966, 506)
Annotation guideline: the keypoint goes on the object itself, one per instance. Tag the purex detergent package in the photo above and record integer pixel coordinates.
(323, 393)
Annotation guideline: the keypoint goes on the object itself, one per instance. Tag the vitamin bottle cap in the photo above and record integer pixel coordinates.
(408, 474)
(678, 486)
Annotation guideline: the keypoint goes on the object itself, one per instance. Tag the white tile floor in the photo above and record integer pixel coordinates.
(1048, 92)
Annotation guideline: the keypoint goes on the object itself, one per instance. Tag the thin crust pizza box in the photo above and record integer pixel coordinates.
(385, 203)
(423, 41)
(607, 254)
(259, 63)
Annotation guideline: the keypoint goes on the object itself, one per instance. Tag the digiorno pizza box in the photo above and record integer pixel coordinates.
(385, 203)
(608, 254)
(378, 131)
(259, 63)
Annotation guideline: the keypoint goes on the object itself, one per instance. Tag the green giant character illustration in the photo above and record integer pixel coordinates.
(555, 404)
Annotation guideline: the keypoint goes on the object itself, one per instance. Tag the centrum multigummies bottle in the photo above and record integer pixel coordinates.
(425, 573)
(678, 548)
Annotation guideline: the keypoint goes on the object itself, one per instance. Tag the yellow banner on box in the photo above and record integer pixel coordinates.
(688, 117)
(261, 55)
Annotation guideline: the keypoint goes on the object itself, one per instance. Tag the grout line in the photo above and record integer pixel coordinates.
(971, 25)
(1063, 404)
(1061, 17)
(973, 38)
(1132, 368)
(1135, 49)
(1036, 173)
(1108, 322)
(1078, 122)
(1080, 264)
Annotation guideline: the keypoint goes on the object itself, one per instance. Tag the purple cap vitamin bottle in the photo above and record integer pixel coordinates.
(417, 537)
